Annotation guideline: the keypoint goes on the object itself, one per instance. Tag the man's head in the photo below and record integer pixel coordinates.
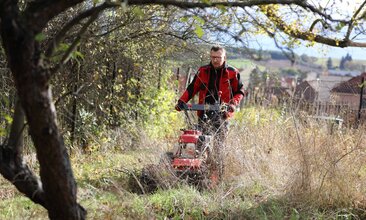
(218, 56)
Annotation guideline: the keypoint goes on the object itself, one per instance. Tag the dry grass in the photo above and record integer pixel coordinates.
(297, 159)
(277, 167)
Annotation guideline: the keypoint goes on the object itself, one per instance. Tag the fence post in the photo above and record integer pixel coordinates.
(361, 97)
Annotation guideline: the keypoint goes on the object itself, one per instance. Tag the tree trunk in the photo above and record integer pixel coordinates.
(16, 140)
(11, 161)
(32, 83)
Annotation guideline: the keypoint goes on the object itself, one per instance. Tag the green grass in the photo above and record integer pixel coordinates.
(241, 63)
(20, 207)
(105, 193)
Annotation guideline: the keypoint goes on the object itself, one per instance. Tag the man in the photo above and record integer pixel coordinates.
(216, 83)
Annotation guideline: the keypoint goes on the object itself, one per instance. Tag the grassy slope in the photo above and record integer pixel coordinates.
(272, 173)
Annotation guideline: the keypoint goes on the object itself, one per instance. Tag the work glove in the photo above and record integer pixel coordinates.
(180, 106)
(230, 110)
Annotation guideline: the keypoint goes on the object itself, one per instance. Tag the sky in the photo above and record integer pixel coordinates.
(333, 52)
(319, 50)
(347, 7)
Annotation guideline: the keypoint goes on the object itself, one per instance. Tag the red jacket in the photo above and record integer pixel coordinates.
(227, 82)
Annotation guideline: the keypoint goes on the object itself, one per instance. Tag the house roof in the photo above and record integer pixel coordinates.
(323, 85)
(306, 91)
(278, 91)
(351, 86)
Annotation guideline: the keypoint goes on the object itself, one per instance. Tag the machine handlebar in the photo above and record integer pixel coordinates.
(201, 107)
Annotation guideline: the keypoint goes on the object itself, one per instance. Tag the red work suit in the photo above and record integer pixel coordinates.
(223, 85)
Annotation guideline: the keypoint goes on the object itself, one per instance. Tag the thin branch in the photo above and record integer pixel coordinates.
(128, 172)
(74, 44)
(12, 166)
(241, 4)
(352, 22)
(75, 94)
(305, 5)
(273, 35)
(308, 36)
(39, 13)
(325, 25)
(62, 33)
(187, 5)
(72, 47)
(125, 23)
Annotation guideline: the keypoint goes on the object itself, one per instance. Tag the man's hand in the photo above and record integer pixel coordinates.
(180, 106)
(230, 110)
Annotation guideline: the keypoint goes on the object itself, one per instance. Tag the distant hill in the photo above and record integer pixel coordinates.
(276, 60)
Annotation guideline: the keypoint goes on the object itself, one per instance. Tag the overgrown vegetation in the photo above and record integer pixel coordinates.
(277, 167)
(110, 63)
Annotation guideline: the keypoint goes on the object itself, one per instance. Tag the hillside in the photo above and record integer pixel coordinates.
(275, 60)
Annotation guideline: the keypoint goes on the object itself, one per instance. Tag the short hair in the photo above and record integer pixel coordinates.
(217, 48)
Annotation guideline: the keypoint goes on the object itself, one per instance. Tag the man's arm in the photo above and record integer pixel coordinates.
(238, 90)
(191, 90)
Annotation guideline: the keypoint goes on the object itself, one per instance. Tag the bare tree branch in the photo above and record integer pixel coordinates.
(308, 36)
(61, 34)
(12, 166)
(39, 13)
(353, 20)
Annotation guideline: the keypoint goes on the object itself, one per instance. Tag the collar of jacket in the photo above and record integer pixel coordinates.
(224, 66)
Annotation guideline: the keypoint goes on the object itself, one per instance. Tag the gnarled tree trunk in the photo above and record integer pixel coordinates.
(58, 191)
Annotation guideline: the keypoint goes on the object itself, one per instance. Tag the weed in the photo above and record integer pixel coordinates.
(277, 166)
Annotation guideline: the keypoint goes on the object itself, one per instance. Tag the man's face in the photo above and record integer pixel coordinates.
(217, 58)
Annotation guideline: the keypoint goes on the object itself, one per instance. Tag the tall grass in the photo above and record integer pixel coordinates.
(297, 158)
(278, 166)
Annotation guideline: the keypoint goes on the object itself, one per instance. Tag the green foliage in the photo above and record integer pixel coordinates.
(241, 63)
(89, 128)
(340, 26)
(4, 125)
(5, 116)
(198, 30)
(40, 37)
(163, 120)
(20, 207)
(138, 12)
(126, 80)
(256, 116)
(6, 103)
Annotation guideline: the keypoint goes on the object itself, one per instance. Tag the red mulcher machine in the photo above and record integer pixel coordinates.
(190, 159)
